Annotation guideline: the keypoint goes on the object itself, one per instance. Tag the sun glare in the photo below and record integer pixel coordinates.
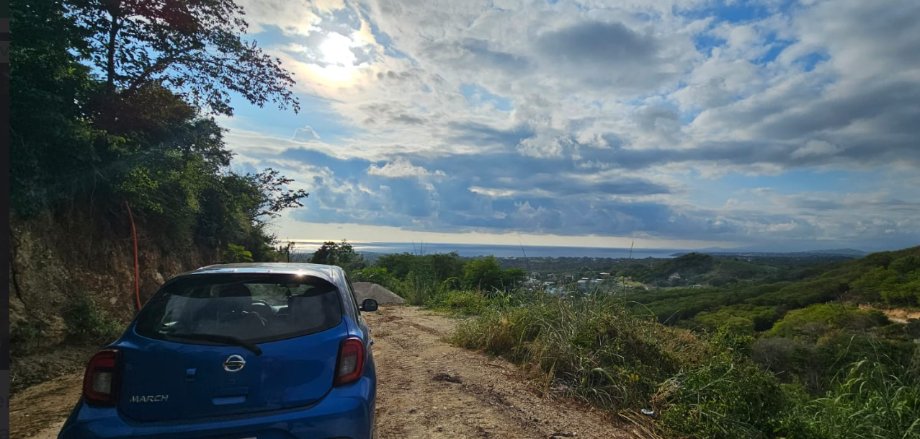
(338, 59)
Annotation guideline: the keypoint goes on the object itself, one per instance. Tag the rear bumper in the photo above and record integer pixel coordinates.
(346, 412)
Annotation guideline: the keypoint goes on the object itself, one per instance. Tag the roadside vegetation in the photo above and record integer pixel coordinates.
(787, 355)
(116, 105)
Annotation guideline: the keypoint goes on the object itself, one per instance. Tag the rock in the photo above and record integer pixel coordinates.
(383, 296)
(442, 376)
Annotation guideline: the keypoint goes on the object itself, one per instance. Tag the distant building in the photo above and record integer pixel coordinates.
(675, 276)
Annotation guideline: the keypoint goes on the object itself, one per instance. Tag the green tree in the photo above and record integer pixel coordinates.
(513, 277)
(193, 46)
(377, 275)
(237, 253)
(483, 274)
(398, 264)
(446, 265)
(50, 139)
(341, 254)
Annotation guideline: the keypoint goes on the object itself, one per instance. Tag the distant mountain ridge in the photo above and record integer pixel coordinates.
(847, 252)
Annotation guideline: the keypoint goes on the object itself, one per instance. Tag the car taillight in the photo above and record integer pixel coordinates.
(100, 382)
(350, 364)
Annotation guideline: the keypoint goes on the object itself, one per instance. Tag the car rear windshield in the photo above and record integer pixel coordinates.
(251, 308)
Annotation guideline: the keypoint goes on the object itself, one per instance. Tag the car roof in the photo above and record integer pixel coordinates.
(330, 273)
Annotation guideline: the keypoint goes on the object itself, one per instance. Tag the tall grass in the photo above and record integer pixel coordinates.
(700, 386)
(587, 347)
(872, 400)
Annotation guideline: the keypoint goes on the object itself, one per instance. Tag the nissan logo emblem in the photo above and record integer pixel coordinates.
(234, 364)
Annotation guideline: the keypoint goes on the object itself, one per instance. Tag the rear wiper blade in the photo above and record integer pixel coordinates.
(225, 339)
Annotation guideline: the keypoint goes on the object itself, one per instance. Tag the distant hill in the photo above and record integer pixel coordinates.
(697, 268)
(843, 252)
(892, 278)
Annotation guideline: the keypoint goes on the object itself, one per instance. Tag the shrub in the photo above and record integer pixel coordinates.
(727, 397)
(870, 400)
(589, 346)
(377, 275)
(466, 302)
(86, 321)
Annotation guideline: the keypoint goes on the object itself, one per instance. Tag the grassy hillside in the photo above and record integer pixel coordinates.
(890, 278)
(786, 355)
(699, 269)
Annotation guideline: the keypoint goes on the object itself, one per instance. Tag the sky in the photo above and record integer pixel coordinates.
(768, 124)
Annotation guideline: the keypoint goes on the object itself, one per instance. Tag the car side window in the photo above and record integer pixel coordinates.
(354, 299)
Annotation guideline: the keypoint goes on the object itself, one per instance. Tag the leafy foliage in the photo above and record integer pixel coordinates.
(192, 46)
(341, 254)
(141, 133)
(236, 253)
(377, 275)
(872, 400)
(87, 321)
(486, 274)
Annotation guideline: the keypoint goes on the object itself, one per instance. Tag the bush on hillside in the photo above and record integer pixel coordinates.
(727, 397)
(590, 346)
(869, 399)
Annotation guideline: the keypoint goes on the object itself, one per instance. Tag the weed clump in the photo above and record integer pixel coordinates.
(87, 322)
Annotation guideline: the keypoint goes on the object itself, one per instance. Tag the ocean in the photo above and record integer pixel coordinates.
(503, 251)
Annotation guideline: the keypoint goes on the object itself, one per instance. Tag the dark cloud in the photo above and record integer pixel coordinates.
(611, 55)
(598, 44)
(407, 119)
(475, 55)
(482, 134)
(358, 197)
(397, 76)
(393, 113)
(814, 204)
(481, 51)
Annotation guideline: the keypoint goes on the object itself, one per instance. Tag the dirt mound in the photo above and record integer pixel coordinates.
(383, 296)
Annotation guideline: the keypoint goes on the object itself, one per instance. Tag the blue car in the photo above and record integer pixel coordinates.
(237, 351)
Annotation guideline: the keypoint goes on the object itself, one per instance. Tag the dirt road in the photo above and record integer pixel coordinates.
(427, 389)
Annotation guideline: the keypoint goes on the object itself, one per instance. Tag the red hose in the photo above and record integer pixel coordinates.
(137, 278)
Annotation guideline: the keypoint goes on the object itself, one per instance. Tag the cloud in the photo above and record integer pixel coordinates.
(402, 169)
(815, 148)
(305, 134)
(577, 118)
(612, 55)
(611, 45)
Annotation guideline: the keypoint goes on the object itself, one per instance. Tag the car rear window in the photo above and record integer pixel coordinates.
(253, 308)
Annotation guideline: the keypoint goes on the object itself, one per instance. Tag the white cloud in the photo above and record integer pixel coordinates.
(305, 134)
(403, 169)
(815, 148)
